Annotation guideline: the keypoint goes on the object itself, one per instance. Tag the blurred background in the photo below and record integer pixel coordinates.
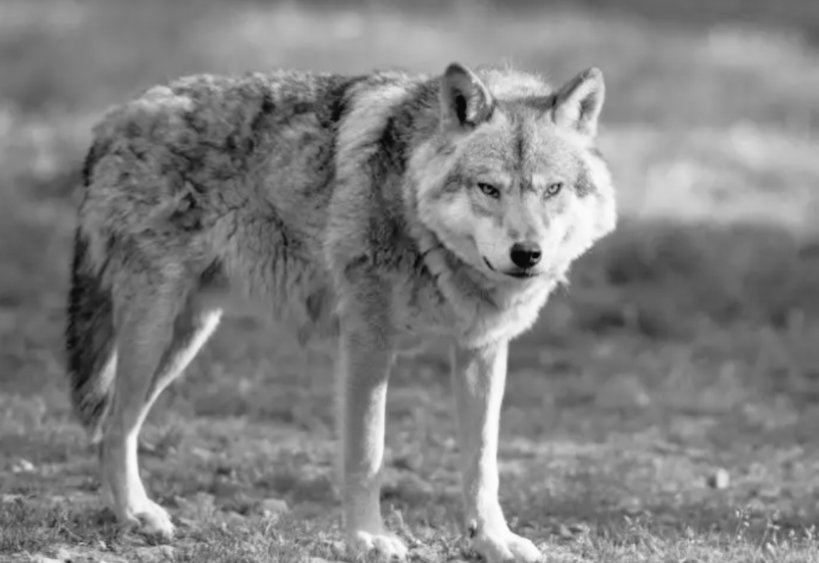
(695, 326)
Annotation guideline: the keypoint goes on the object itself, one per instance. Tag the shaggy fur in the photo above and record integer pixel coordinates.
(391, 207)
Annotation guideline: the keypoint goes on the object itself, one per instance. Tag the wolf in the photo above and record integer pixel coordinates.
(380, 208)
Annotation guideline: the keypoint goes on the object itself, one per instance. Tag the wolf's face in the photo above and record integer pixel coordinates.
(522, 191)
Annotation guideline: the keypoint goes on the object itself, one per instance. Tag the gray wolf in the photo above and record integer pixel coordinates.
(390, 206)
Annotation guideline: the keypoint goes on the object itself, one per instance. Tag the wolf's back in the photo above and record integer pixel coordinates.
(89, 335)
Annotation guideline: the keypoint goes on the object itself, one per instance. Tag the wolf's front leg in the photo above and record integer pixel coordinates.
(478, 379)
(364, 363)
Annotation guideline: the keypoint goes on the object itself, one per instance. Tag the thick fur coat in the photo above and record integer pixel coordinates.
(385, 208)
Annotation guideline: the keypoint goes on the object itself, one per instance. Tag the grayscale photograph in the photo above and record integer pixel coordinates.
(456, 281)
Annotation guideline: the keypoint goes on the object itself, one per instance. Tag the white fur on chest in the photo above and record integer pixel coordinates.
(420, 312)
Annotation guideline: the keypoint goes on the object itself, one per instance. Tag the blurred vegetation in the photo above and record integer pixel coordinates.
(801, 14)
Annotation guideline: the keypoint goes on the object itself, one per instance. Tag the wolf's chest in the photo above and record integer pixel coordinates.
(422, 313)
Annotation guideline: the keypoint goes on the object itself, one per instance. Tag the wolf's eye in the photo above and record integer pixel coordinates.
(554, 189)
(489, 190)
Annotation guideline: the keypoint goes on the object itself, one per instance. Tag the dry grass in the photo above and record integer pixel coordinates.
(685, 344)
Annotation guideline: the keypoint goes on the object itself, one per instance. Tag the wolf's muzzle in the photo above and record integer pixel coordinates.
(525, 254)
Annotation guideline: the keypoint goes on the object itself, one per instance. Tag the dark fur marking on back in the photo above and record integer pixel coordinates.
(393, 145)
(331, 106)
(257, 126)
(336, 99)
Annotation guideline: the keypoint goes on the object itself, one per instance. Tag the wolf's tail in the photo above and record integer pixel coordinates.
(89, 340)
(89, 335)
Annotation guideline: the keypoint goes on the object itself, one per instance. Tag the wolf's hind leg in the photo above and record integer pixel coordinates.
(193, 326)
(159, 333)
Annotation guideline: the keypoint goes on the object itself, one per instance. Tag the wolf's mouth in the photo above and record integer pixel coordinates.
(520, 274)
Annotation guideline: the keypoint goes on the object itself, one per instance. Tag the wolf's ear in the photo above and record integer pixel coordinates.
(578, 103)
(465, 101)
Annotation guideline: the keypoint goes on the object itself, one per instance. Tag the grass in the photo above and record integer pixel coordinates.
(684, 348)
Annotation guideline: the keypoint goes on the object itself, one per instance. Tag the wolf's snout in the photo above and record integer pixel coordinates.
(525, 254)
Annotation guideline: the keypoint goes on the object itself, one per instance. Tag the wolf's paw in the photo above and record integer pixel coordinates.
(365, 546)
(505, 547)
(152, 520)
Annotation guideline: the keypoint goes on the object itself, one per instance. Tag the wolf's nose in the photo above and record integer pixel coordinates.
(525, 254)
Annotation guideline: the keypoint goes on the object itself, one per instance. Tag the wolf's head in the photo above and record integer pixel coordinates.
(514, 185)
